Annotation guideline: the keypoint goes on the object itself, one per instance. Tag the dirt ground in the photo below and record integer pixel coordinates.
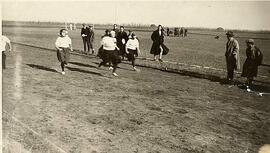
(90, 111)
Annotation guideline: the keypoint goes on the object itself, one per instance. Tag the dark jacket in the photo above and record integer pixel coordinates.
(85, 31)
(91, 35)
(254, 59)
(120, 36)
(158, 40)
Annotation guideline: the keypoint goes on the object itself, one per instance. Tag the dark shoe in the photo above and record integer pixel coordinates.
(160, 60)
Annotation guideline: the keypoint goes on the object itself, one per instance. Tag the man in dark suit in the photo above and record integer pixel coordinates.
(91, 38)
(121, 39)
(85, 33)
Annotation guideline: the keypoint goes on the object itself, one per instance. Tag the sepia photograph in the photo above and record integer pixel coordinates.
(126, 76)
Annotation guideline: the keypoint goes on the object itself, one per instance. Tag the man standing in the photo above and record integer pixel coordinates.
(122, 39)
(115, 29)
(85, 33)
(185, 33)
(4, 42)
(232, 56)
(91, 38)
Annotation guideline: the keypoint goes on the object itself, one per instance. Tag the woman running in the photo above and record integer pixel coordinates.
(132, 50)
(110, 53)
(63, 46)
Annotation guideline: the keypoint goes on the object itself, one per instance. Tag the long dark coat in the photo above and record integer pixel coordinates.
(158, 40)
(120, 45)
(254, 59)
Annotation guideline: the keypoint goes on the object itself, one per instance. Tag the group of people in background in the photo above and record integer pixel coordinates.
(178, 32)
(88, 36)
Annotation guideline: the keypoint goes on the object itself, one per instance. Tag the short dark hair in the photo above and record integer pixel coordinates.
(61, 30)
(122, 27)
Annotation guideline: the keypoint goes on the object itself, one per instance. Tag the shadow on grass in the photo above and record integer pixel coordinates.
(83, 71)
(107, 65)
(267, 65)
(41, 67)
(82, 64)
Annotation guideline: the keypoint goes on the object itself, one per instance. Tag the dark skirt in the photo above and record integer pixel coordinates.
(63, 55)
(122, 51)
(131, 55)
(250, 68)
(110, 56)
(155, 49)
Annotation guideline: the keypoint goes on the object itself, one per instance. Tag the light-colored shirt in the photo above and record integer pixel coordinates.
(108, 43)
(63, 42)
(4, 41)
(132, 44)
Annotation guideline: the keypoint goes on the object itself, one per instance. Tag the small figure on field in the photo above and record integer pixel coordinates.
(122, 39)
(85, 33)
(185, 32)
(168, 31)
(63, 46)
(232, 55)
(181, 32)
(132, 49)
(91, 38)
(158, 47)
(176, 32)
(115, 29)
(5, 46)
(253, 60)
(110, 51)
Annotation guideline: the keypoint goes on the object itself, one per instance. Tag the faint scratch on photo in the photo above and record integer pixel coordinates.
(18, 78)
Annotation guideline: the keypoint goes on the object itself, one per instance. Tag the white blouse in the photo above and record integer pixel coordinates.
(108, 43)
(132, 44)
(63, 42)
(4, 41)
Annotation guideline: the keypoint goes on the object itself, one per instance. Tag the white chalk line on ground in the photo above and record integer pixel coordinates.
(198, 66)
(34, 132)
(149, 59)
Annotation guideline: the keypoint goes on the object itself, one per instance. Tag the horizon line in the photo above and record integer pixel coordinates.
(140, 24)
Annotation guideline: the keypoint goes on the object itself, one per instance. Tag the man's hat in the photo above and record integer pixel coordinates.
(250, 41)
(230, 34)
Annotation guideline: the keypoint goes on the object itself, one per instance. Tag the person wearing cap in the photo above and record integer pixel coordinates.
(122, 39)
(85, 34)
(132, 50)
(63, 46)
(5, 45)
(109, 55)
(91, 38)
(253, 60)
(158, 47)
(232, 55)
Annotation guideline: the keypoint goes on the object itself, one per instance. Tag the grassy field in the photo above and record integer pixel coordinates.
(90, 111)
(195, 49)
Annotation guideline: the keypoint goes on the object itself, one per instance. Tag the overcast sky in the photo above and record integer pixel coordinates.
(235, 15)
